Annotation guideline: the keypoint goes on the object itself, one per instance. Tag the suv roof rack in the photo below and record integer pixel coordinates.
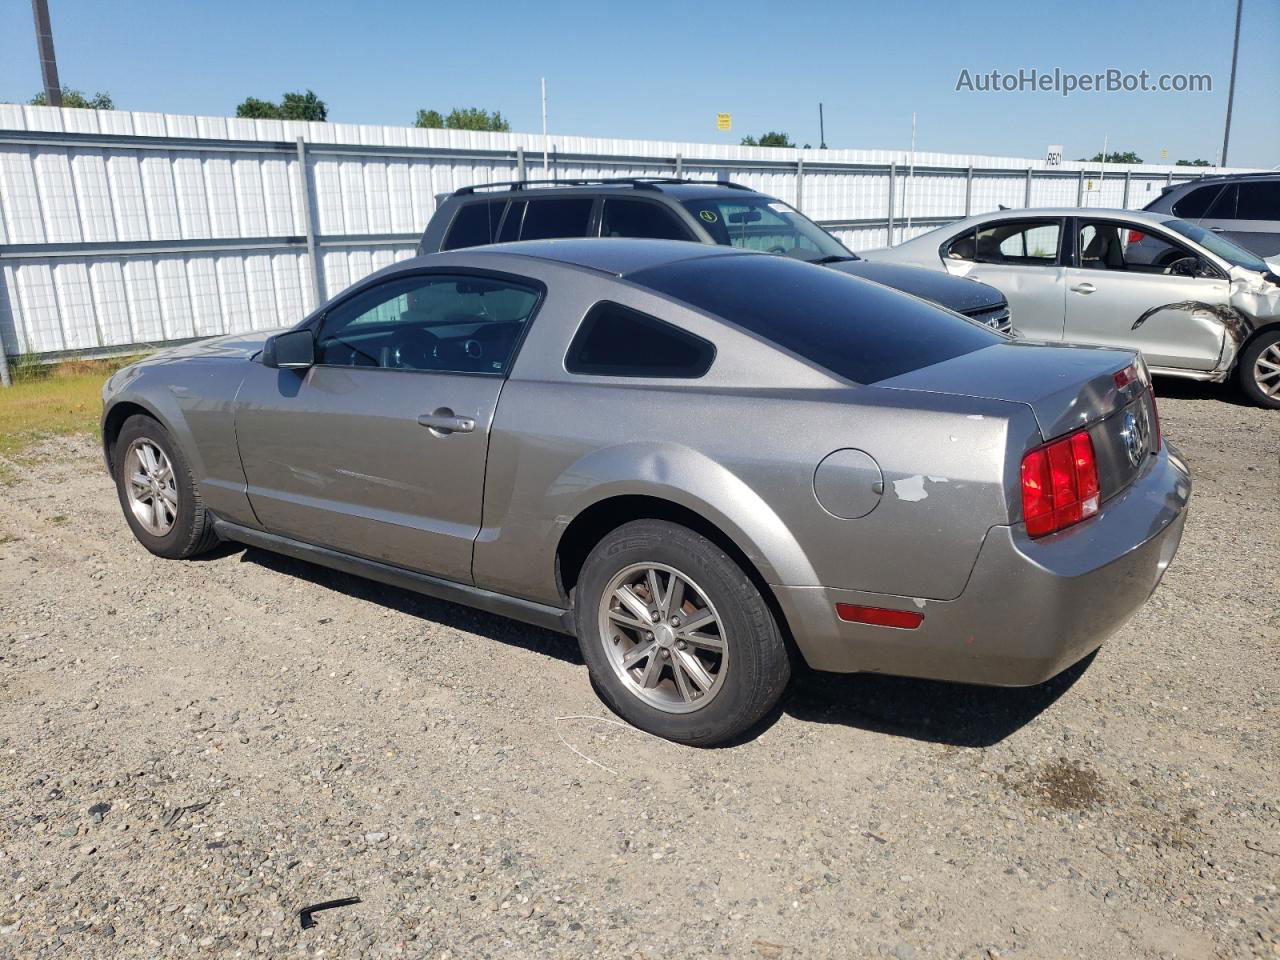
(640, 183)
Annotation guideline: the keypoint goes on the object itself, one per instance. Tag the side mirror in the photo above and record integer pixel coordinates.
(292, 350)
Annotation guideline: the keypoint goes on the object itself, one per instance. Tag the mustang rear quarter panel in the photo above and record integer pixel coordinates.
(740, 447)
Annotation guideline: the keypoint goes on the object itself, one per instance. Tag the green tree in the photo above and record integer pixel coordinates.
(1127, 157)
(430, 119)
(464, 118)
(303, 106)
(74, 98)
(292, 106)
(255, 109)
(1193, 163)
(770, 139)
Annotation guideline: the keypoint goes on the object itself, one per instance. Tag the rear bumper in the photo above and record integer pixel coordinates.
(1031, 608)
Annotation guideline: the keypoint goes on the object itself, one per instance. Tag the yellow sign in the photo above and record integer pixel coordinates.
(724, 121)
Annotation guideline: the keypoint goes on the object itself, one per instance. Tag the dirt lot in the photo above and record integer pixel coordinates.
(191, 752)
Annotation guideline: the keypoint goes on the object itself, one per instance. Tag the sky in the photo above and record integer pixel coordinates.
(662, 71)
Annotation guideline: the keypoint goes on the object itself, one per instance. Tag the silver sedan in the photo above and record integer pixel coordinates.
(1194, 303)
(701, 461)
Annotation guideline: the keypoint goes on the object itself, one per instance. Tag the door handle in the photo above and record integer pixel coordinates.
(443, 422)
(1085, 287)
(1218, 229)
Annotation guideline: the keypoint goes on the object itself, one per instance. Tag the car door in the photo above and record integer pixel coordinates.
(1124, 270)
(1022, 258)
(1256, 225)
(379, 449)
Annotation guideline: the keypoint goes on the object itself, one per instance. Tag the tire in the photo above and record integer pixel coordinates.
(747, 673)
(177, 534)
(1255, 379)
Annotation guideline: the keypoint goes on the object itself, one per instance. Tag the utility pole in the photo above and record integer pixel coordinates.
(1231, 87)
(545, 157)
(822, 129)
(49, 64)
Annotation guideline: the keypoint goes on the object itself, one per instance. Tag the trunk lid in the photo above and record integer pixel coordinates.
(1068, 388)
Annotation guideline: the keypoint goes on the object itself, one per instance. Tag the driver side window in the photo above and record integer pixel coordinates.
(450, 324)
(1111, 245)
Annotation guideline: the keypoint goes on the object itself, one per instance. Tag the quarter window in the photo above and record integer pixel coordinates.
(562, 217)
(454, 324)
(616, 341)
(636, 218)
(474, 225)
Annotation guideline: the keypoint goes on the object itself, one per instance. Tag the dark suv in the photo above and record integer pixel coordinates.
(703, 211)
(1244, 208)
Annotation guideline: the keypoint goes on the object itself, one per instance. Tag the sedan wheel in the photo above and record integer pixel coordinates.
(153, 490)
(663, 638)
(1266, 370)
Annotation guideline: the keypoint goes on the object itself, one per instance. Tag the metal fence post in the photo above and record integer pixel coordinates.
(968, 191)
(1080, 190)
(519, 163)
(5, 379)
(1128, 176)
(800, 184)
(893, 175)
(679, 166)
(1168, 180)
(304, 183)
(1026, 202)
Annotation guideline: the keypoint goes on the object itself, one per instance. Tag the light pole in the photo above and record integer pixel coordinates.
(1231, 86)
(44, 43)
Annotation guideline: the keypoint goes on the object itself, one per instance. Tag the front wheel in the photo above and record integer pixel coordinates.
(1258, 370)
(160, 497)
(677, 638)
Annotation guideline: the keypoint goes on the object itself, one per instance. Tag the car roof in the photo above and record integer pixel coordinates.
(618, 256)
(1019, 213)
(1212, 178)
(638, 186)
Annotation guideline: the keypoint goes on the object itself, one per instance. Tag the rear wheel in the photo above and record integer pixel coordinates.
(1258, 369)
(160, 498)
(676, 636)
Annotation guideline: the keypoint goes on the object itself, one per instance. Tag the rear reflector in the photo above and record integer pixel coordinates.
(879, 617)
(1059, 484)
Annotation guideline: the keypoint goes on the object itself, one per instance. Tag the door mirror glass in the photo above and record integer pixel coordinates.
(294, 350)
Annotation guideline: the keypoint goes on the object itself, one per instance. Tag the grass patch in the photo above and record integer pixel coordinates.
(52, 400)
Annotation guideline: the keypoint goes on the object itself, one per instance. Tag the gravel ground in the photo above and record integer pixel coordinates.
(194, 751)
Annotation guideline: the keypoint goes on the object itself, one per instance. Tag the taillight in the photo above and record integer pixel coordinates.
(1136, 236)
(1059, 484)
(1126, 376)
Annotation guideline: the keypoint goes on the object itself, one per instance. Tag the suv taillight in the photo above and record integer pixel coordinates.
(1059, 484)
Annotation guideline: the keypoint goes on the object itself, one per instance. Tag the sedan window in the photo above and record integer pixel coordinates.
(616, 341)
(1109, 245)
(456, 324)
(1025, 242)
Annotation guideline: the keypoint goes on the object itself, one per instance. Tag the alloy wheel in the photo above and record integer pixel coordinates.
(1266, 370)
(152, 488)
(663, 637)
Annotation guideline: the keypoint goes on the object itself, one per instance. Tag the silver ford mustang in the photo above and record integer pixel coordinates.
(701, 461)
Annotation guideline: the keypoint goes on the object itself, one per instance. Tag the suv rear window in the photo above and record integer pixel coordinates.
(475, 224)
(640, 218)
(550, 219)
(1216, 201)
(856, 329)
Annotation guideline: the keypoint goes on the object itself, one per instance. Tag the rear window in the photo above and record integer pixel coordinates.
(550, 219)
(616, 341)
(1259, 200)
(475, 224)
(1216, 201)
(856, 329)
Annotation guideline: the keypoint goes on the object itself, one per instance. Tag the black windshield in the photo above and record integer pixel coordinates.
(859, 330)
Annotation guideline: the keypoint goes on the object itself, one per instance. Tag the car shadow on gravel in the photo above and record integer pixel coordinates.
(488, 625)
(954, 714)
(1179, 388)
